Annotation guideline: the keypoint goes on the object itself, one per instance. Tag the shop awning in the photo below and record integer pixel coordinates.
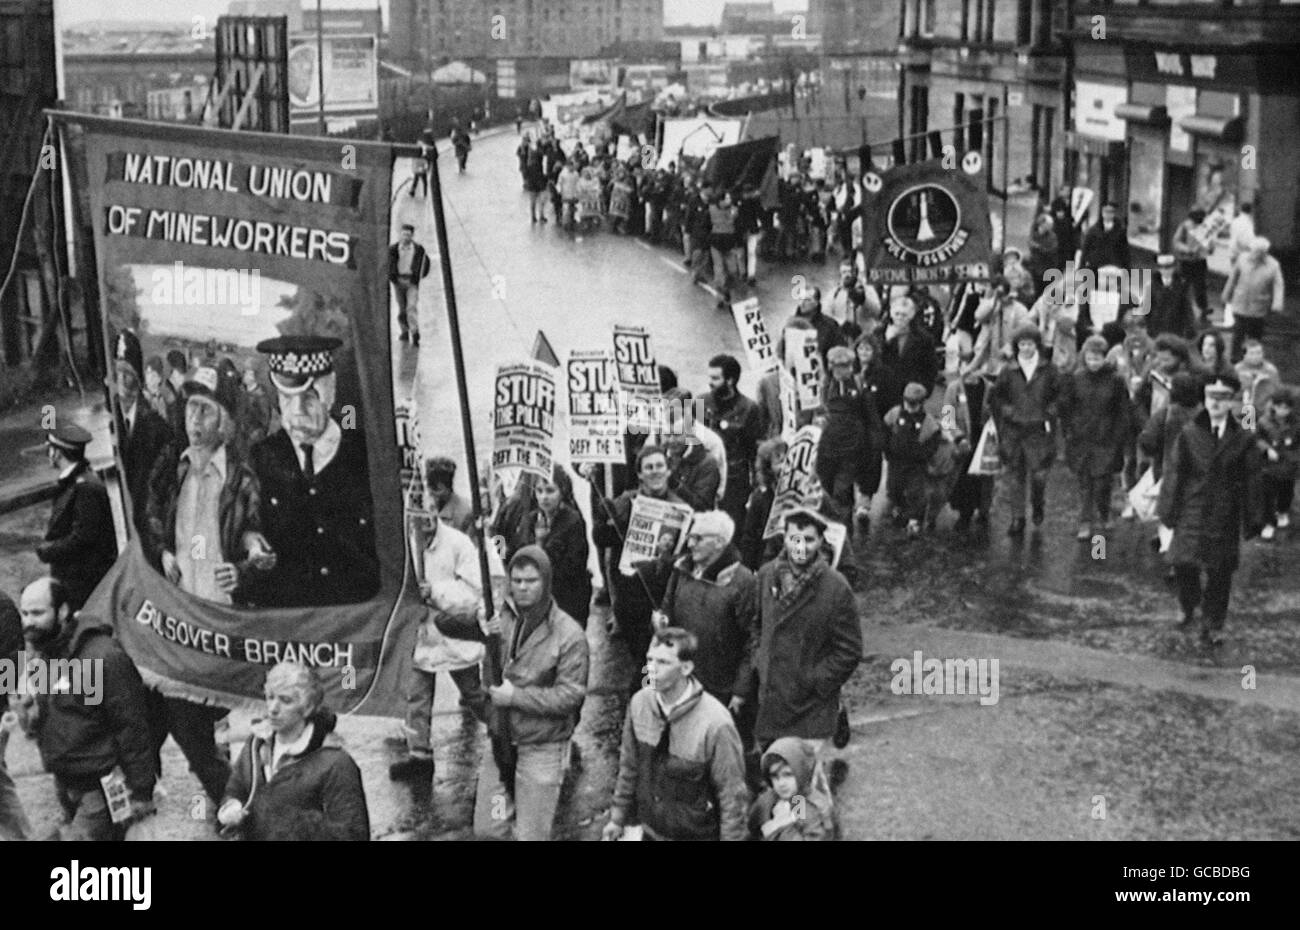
(1091, 145)
(1142, 113)
(1213, 127)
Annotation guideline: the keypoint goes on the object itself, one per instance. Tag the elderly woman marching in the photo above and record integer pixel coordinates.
(1096, 419)
(293, 780)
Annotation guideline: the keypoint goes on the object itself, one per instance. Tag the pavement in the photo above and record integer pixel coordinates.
(1109, 723)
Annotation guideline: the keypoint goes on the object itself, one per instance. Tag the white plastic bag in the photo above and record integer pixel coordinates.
(1144, 496)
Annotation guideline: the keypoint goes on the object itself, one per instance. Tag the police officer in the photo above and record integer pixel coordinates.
(80, 545)
(317, 513)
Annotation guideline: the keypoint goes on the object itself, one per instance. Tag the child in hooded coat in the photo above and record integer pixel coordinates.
(797, 805)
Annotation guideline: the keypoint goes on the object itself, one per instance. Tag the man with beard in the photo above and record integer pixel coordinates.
(142, 435)
(80, 545)
(84, 736)
(735, 418)
(316, 509)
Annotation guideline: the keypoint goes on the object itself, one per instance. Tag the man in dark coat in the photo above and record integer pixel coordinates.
(1023, 403)
(908, 356)
(1166, 304)
(735, 418)
(1106, 243)
(809, 638)
(1210, 497)
(408, 265)
(1097, 421)
(80, 544)
(142, 435)
(86, 732)
(711, 594)
(828, 330)
(852, 440)
(316, 509)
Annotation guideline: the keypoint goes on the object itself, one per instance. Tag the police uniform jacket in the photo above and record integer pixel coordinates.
(322, 529)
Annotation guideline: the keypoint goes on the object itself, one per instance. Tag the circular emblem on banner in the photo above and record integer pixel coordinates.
(971, 162)
(925, 219)
(871, 181)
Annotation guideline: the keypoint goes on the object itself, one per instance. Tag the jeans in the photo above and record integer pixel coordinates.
(1094, 497)
(1212, 598)
(723, 267)
(1018, 475)
(85, 810)
(1194, 273)
(539, 775)
(13, 821)
(408, 306)
(419, 178)
(420, 692)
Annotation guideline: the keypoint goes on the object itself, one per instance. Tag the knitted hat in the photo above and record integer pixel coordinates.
(1096, 344)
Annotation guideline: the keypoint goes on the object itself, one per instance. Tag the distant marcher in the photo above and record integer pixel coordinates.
(915, 450)
(408, 265)
(1191, 252)
(852, 439)
(1023, 404)
(1094, 411)
(1254, 289)
(1279, 440)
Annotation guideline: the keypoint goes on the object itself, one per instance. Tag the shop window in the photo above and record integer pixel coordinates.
(1146, 167)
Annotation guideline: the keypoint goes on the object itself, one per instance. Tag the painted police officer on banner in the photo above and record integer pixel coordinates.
(316, 508)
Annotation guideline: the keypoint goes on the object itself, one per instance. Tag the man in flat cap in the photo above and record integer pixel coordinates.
(1166, 302)
(1210, 497)
(316, 510)
(80, 545)
(204, 502)
(142, 435)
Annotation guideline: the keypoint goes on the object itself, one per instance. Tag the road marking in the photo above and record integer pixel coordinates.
(675, 266)
(710, 288)
(645, 245)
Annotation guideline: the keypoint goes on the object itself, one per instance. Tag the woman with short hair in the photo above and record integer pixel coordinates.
(294, 780)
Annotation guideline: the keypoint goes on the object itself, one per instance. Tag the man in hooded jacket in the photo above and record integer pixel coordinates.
(544, 660)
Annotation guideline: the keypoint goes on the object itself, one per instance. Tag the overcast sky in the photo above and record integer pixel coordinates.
(75, 11)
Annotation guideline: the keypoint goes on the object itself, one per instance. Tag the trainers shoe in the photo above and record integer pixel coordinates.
(412, 768)
(913, 527)
(1267, 532)
(1283, 521)
(1085, 532)
(1129, 513)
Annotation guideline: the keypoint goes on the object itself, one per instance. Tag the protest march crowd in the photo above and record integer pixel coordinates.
(729, 585)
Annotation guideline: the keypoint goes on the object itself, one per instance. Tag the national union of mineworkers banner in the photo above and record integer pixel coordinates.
(926, 224)
(243, 287)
